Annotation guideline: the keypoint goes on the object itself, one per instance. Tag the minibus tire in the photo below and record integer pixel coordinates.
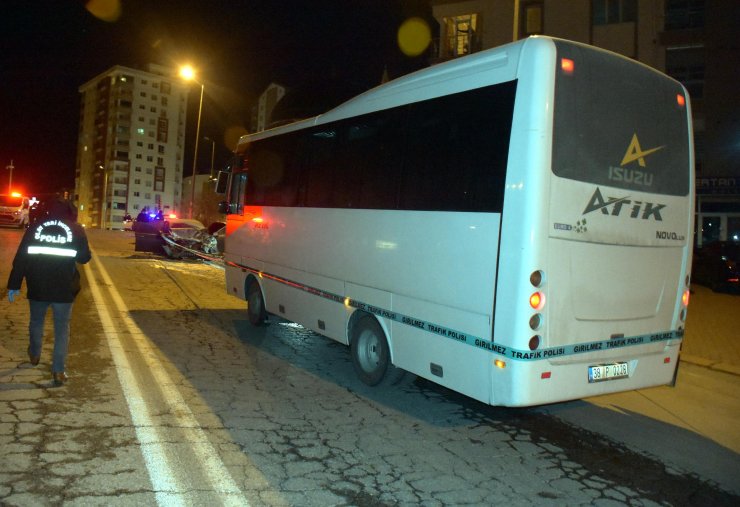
(370, 353)
(255, 304)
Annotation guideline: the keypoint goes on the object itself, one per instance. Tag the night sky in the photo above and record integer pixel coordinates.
(325, 51)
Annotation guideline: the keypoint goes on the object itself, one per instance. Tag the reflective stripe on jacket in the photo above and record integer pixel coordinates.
(47, 258)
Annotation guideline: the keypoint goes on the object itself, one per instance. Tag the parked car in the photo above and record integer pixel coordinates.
(147, 228)
(127, 222)
(717, 265)
(218, 231)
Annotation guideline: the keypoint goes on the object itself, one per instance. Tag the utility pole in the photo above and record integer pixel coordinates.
(10, 180)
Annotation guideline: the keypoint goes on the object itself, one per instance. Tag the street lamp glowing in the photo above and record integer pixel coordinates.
(187, 72)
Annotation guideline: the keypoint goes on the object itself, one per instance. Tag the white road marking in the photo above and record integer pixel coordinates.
(167, 489)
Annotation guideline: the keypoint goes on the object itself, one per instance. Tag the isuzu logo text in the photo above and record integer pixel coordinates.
(621, 206)
(634, 153)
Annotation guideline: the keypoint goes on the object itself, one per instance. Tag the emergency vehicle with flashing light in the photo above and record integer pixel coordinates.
(14, 209)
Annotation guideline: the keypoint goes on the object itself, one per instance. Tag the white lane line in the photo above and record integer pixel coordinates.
(163, 480)
(168, 490)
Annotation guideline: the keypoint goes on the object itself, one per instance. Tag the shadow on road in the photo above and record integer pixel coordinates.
(244, 373)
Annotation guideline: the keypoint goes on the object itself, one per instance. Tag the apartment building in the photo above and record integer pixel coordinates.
(262, 111)
(694, 41)
(130, 145)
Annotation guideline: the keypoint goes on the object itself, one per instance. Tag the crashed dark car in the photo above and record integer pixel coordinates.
(717, 266)
(181, 232)
(190, 238)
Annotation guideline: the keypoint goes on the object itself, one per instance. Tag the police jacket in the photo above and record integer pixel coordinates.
(48, 255)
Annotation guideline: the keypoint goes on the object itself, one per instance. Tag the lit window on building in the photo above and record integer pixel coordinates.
(532, 15)
(460, 35)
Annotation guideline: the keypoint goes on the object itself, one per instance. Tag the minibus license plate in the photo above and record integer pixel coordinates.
(602, 372)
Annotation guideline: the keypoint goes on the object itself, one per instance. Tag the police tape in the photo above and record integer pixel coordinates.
(669, 337)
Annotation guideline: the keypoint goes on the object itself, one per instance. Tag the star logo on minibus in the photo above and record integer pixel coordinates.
(634, 176)
(635, 152)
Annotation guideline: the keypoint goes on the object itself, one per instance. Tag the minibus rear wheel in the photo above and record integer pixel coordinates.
(255, 303)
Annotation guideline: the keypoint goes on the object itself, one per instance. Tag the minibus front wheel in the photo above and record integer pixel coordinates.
(371, 356)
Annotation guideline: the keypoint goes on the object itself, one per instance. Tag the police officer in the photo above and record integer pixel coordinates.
(47, 258)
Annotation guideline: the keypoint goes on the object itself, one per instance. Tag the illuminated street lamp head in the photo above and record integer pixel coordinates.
(187, 72)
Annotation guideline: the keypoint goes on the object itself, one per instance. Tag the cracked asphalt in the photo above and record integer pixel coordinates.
(226, 414)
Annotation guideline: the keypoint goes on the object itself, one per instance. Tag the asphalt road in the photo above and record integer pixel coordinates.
(175, 400)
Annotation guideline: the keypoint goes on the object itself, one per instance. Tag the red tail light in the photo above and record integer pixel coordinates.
(567, 66)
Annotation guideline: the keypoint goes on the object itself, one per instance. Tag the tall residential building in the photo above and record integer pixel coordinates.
(693, 41)
(131, 143)
(262, 112)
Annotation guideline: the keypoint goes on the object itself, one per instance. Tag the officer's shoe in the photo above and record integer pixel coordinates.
(34, 360)
(59, 378)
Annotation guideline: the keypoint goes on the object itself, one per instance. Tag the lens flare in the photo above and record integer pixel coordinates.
(232, 135)
(414, 36)
(106, 10)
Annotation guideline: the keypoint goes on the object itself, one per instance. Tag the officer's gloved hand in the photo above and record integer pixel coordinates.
(12, 294)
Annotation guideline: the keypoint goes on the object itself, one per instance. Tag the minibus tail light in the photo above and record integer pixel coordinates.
(537, 300)
(536, 278)
(534, 342)
(567, 66)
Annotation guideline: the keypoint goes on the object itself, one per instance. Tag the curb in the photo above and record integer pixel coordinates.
(731, 369)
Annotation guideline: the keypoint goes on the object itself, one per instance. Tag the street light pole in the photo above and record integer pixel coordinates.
(213, 154)
(10, 181)
(104, 203)
(195, 155)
